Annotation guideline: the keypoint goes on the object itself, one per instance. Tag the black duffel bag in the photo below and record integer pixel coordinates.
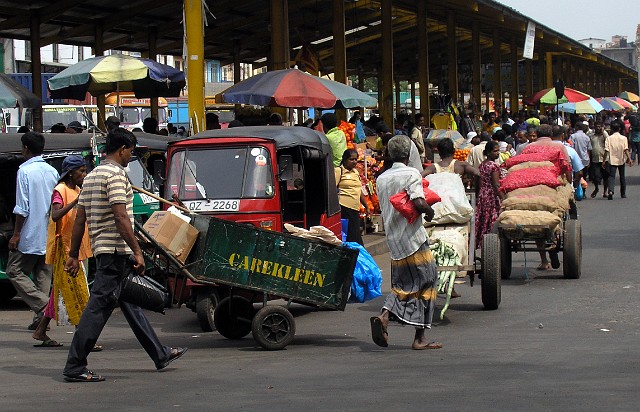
(143, 291)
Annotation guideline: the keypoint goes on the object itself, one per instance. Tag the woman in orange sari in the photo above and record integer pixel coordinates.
(69, 295)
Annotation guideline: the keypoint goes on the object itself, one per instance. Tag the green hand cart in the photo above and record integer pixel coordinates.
(248, 265)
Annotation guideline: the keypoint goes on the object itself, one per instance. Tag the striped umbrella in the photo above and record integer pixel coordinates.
(630, 97)
(610, 105)
(105, 74)
(295, 88)
(590, 106)
(548, 96)
(624, 103)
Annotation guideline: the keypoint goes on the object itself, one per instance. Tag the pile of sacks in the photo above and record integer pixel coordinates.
(536, 190)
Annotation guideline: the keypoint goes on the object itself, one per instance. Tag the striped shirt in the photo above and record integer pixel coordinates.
(103, 187)
(404, 239)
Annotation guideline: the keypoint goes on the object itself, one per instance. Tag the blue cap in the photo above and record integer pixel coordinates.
(70, 163)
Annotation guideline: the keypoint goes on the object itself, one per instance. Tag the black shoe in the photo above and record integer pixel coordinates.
(623, 196)
(175, 354)
(595, 193)
(610, 196)
(86, 376)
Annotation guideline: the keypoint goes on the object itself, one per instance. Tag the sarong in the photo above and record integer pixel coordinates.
(69, 295)
(413, 288)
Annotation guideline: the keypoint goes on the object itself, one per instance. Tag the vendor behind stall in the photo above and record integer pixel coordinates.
(350, 193)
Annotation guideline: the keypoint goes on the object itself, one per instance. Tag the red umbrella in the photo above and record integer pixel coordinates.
(294, 88)
(622, 102)
(548, 96)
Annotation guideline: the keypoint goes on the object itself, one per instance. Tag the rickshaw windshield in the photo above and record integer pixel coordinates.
(226, 173)
(139, 176)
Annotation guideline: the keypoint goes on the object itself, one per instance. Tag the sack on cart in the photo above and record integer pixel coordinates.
(454, 206)
(530, 222)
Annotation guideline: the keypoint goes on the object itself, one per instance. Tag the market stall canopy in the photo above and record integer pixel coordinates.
(631, 97)
(624, 103)
(297, 89)
(13, 94)
(610, 105)
(105, 74)
(548, 96)
(590, 106)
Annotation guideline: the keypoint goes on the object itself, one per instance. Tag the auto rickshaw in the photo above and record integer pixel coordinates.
(263, 176)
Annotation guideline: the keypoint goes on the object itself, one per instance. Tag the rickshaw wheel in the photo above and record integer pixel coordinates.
(232, 317)
(572, 249)
(273, 327)
(491, 284)
(505, 258)
(206, 301)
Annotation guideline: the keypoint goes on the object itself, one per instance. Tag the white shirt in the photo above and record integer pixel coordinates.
(403, 238)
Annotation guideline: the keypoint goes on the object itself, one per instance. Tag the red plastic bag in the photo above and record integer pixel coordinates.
(401, 202)
(529, 177)
(429, 195)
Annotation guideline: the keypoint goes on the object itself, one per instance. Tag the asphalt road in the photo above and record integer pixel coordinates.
(554, 344)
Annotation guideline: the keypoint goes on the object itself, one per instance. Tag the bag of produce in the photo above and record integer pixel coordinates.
(529, 177)
(454, 206)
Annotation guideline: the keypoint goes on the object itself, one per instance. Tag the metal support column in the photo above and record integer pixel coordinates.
(497, 72)
(476, 63)
(549, 69)
(153, 52)
(98, 50)
(452, 54)
(423, 59)
(36, 68)
(514, 93)
(194, 29)
(339, 50)
(386, 103)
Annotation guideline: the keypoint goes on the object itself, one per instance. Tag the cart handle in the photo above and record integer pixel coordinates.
(184, 209)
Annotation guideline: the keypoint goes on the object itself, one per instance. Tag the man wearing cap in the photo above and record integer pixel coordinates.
(76, 126)
(112, 123)
(27, 247)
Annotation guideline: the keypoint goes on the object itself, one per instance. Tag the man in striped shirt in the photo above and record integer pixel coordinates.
(106, 205)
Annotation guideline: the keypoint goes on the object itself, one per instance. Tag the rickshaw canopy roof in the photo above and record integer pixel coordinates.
(283, 136)
(11, 143)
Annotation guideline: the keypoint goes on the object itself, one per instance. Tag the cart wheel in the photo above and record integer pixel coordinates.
(572, 249)
(206, 302)
(505, 259)
(491, 271)
(273, 327)
(232, 317)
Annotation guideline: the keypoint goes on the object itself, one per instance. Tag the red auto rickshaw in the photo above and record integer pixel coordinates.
(263, 175)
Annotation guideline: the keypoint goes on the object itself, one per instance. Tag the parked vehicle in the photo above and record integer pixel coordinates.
(132, 111)
(264, 176)
(57, 147)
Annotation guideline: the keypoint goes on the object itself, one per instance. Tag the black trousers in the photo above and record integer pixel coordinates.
(111, 270)
(353, 231)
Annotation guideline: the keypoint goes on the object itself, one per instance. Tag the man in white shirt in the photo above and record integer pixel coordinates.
(616, 154)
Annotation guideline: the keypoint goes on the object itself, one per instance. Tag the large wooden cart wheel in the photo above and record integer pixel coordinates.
(232, 317)
(206, 301)
(273, 327)
(572, 250)
(505, 258)
(491, 284)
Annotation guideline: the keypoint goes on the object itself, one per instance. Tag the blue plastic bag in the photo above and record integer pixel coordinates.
(579, 192)
(367, 278)
(360, 135)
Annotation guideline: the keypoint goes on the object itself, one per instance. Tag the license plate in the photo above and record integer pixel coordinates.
(213, 205)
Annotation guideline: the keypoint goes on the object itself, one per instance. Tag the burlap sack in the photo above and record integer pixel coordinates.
(529, 165)
(539, 190)
(534, 203)
(566, 193)
(528, 221)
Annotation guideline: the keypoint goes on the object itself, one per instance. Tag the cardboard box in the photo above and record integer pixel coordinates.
(173, 233)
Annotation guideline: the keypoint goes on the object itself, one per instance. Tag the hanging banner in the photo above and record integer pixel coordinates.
(529, 41)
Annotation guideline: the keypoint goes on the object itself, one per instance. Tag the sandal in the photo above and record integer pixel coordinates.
(544, 266)
(430, 345)
(48, 343)
(97, 348)
(86, 376)
(378, 332)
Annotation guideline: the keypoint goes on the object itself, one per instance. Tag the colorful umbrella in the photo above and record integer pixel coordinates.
(610, 105)
(13, 94)
(295, 88)
(622, 102)
(548, 96)
(628, 96)
(118, 72)
(590, 106)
